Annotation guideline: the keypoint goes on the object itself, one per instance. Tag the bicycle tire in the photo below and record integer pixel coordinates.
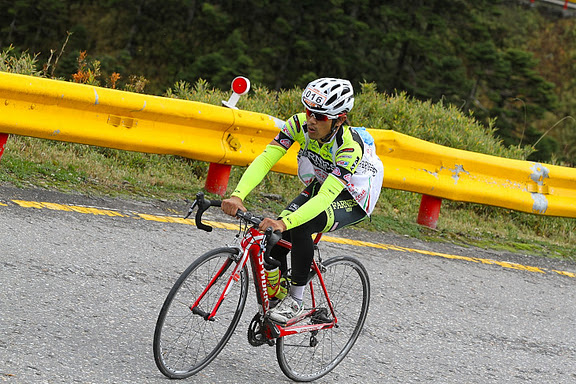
(184, 342)
(345, 277)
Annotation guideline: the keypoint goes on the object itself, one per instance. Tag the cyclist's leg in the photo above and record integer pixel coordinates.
(302, 255)
(279, 252)
(309, 356)
(342, 212)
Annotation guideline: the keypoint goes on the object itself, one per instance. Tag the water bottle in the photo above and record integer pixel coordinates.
(275, 288)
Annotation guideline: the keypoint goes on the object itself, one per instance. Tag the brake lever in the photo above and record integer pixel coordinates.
(203, 204)
(191, 209)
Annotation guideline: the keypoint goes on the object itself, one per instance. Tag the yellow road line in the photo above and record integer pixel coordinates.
(444, 255)
(326, 238)
(69, 208)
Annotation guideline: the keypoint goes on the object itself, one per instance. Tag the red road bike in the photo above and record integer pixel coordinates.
(205, 304)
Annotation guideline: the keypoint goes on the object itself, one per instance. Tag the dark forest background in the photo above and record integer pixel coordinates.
(501, 61)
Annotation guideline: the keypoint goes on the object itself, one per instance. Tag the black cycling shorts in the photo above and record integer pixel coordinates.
(342, 212)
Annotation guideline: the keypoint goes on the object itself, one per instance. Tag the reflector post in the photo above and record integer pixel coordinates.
(240, 86)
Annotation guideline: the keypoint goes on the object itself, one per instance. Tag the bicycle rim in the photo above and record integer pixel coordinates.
(184, 342)
(303, 359)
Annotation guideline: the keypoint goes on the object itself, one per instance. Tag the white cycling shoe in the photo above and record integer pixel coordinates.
(287, 309)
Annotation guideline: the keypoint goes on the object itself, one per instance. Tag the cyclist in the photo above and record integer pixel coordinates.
(341, 171)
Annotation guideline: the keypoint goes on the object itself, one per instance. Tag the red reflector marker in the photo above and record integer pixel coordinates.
(240, 86)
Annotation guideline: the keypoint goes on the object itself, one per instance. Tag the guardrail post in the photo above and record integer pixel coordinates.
(218, 174)
(217, 179)
(429, 211)
(3, 139)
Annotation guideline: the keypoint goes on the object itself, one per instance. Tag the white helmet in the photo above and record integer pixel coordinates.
(329, 96)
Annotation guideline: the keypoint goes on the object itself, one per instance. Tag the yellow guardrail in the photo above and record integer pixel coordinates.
(57, 110)
(64, 111)
(419, 166)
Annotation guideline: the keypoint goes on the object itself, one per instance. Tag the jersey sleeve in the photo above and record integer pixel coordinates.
(265, 161)
(258, 169)
(289, 132)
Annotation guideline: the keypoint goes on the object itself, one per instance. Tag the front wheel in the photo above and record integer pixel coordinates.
(185, 339)
(310, 355)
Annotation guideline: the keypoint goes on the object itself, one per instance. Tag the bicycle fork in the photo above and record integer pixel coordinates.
(262, 330)
(234, 277)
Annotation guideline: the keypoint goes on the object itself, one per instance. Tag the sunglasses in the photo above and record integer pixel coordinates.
(319, 116)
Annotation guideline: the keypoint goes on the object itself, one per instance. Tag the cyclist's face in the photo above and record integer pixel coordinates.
(318, 129)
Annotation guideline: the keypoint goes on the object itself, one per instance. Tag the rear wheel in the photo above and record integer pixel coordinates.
(185, 341)
(310, 355)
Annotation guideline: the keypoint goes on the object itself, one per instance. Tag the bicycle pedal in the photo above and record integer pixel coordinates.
(321, 316)
(272, 330)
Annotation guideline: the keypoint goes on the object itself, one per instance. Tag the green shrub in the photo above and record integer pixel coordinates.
(24, 64)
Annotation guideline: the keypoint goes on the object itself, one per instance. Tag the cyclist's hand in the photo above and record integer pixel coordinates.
(277, 225)
(232, 205)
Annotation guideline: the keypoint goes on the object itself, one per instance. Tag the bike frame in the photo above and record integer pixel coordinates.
(251, 250)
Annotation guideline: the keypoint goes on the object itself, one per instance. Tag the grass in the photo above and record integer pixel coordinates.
(69, 167)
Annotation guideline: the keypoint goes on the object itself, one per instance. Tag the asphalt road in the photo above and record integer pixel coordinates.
(80, 290)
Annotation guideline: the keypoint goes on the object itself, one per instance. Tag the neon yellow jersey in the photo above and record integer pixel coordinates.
(347, 156)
